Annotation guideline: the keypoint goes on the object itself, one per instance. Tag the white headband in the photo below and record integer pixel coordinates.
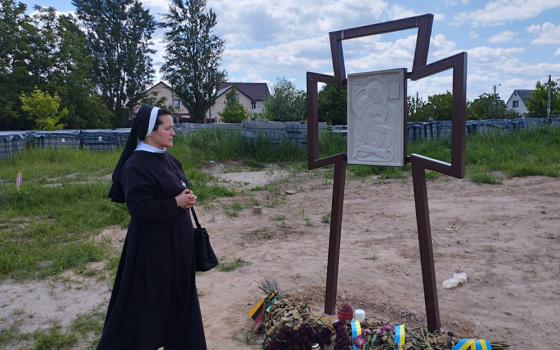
(153, 117)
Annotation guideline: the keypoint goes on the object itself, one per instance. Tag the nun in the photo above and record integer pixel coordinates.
(154, 302)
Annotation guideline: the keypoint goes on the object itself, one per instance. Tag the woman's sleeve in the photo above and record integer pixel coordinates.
(142, 201)
(180, 166)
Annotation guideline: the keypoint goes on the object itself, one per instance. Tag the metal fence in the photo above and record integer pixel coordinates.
(276, 132)
(94, 139)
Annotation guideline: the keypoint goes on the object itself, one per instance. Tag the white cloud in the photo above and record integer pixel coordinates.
(547, 34)
(290, 19)
(501, 37)
(398, 11)
(557, 52)
(501, 11)
(159, 6)
(440, 47)
(288, 59)
(484, 54)
(473, 34)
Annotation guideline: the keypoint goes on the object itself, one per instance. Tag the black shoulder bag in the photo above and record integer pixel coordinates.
(205, 258)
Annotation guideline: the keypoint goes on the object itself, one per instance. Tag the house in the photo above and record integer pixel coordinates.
(162, 94)
(250, 95)
(517, 102)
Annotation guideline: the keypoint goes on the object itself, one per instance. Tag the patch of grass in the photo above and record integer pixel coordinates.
(480, 176)
(431, 175)
(60, 226)
(50, 224)
(9, 336)
(524, 153)
(228, 266)
(280, 221)
(233, 210)
(222, 145)
(89, 326)
(392, 173)
(67, 164)
(249, 338)
(54, 338)
(372, 258)
(326, 219)
(253, 164)
(275, 194)
(262, 234)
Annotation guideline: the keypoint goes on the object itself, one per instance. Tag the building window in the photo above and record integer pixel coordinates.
(176, 103)
(515, 104)
(253, 105)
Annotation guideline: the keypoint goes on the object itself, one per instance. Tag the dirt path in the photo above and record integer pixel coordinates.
(505, 237)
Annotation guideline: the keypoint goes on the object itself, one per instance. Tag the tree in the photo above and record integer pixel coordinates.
(488, 106)
(537, 101)
(16, 38)
(44, 109)
(416, 109)
(332, 105)
(286, 103)
(234, 111)
(69, 66)
(438, 107)
(193, 55)
(119, 34)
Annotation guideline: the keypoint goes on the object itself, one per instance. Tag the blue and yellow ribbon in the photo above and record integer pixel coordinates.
(356, 332)
(400, 336)
(473, 344)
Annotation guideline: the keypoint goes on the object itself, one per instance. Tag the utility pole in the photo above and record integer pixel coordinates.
(548, 100)
(495, 101)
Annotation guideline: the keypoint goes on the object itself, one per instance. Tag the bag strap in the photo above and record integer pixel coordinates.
(195, 218)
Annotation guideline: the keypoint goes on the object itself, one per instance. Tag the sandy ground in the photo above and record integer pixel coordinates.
(505, 237)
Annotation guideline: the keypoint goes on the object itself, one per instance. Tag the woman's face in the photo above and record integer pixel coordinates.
(162, 137)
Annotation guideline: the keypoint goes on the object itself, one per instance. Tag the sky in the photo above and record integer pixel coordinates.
(511, 44)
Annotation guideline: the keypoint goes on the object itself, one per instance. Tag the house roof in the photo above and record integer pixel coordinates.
(255, 91)
(523, 94)
(158, 83)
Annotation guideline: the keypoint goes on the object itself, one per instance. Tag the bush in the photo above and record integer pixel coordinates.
(234, 111)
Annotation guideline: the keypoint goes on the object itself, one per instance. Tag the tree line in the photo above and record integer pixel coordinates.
(90, 70)
(287, 103)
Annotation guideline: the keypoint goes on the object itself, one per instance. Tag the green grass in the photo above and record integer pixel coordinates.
(49, 225)
(223, 145)
(525, 153)
(84, 330)
(50, 229)
(233, 210)
(42, 165)
(54, 338)
(228, 266)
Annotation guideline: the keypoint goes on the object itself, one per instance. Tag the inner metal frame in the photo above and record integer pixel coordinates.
(456, 168)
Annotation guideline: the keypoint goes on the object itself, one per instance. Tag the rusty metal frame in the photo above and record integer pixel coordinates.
(456, 168)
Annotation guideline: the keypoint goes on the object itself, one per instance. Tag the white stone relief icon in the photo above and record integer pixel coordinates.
(376, 118)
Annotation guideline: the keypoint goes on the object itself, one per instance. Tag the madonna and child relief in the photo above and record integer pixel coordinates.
(376, 118)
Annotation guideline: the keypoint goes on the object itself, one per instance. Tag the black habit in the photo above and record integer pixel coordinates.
(154, 301)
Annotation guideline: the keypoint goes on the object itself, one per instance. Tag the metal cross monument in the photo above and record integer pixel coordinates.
(377, 113)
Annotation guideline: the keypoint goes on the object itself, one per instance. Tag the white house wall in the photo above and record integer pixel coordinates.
(521, 108)
(160, 90)
(220, 105)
